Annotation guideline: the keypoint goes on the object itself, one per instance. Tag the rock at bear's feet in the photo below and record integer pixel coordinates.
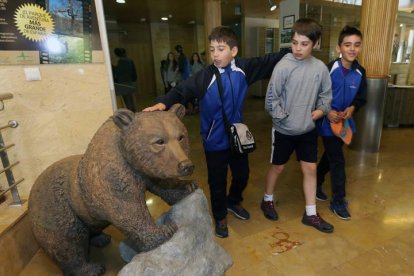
(192, 250)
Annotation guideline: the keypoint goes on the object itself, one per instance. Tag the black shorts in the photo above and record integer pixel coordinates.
(305, 145)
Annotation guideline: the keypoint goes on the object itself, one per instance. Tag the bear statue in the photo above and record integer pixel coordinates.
(74, 199)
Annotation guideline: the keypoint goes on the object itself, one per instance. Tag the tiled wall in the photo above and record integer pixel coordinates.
(57, 115)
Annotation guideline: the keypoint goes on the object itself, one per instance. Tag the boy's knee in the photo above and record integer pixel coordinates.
(308, 168)
(277, 168)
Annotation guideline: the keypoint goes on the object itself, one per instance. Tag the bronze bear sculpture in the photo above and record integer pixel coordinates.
(74, 199)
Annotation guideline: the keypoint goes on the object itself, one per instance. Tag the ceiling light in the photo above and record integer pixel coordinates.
(272, 5)
(120, 1)
(164, 18)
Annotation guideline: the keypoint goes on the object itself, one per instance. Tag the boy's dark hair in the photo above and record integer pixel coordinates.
(179, 48)
(347, 31)
(309, 28)
(224, 34)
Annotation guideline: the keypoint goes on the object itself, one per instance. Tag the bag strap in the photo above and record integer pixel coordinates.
(220, 88)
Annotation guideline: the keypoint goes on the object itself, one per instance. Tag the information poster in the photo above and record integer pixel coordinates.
(48, 31)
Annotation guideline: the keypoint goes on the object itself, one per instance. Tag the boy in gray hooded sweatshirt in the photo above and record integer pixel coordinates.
(298, 94)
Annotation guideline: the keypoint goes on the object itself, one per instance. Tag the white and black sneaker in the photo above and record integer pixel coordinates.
(321, 196)
(340, 209)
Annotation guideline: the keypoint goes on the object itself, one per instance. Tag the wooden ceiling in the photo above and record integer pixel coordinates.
(184, 11)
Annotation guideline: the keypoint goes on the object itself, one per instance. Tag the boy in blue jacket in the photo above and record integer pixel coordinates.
(236, 75)
(349, 92)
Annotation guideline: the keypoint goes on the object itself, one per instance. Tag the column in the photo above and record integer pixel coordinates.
(378, 19)
(212, 19)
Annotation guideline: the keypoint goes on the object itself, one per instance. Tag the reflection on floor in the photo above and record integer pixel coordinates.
(378, 240)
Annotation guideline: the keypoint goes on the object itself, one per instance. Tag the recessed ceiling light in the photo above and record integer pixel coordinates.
(164, 18)
(143, 19)
(120, 1)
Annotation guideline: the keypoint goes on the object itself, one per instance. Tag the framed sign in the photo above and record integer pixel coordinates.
(286, 36)
(288, 21)
(48, 31)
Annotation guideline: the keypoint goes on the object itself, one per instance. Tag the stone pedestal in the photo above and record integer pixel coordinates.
(191, 251)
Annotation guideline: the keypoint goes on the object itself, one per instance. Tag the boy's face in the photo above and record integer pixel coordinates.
(301, 47)
(221, 54)
(349, 48)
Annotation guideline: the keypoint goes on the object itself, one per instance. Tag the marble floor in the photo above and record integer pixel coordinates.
(378, 240)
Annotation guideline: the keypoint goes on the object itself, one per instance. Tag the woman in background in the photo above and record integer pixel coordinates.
(171, 74)
(196, 65)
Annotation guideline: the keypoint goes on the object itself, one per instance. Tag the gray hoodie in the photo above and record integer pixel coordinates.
(296, 88)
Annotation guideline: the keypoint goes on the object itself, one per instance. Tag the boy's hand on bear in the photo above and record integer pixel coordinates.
(191, 187)
(156, 107)
(169, 229)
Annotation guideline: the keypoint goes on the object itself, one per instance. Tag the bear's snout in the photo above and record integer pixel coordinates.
(185, 167)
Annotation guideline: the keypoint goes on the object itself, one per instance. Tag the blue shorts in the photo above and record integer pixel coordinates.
(305, 145)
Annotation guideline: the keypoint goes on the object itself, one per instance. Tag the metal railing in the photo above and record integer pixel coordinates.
(7, 167)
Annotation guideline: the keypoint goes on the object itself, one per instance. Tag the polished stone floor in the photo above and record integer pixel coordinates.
(378, 240)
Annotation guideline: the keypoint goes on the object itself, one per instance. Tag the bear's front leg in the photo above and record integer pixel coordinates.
(171, 190)
(136, 222)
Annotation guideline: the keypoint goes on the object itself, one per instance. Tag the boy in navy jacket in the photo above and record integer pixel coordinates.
(236, 75)
(349, 92)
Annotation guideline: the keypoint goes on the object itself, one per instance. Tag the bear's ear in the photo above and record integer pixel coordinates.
(123, 117)
(178, 109)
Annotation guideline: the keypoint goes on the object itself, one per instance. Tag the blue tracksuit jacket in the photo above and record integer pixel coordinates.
(346, 91)
(236, 77)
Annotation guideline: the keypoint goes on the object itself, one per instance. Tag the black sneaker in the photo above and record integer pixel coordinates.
(339, 208)
(321, 196)
(269, 210)
(221, 228)
(238, 211)
(317, 222)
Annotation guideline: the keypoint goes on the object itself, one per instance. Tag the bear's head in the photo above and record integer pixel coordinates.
(155, 143)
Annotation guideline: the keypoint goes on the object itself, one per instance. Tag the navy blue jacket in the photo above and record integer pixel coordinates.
(236, 77)
(346, 91)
